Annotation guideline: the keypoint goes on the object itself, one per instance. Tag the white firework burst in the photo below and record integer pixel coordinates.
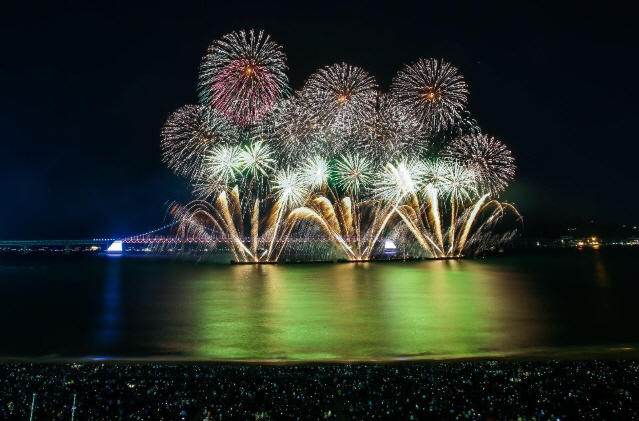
(339, 98)
(257, 159)
(353, 173)
(189, 133)
(289, 188)
(397, 181)
(491, 160)
(223, 164)
(433, 90)
(315, 172)
(459, 182)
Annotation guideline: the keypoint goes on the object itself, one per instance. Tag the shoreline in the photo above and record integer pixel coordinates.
(608, 353)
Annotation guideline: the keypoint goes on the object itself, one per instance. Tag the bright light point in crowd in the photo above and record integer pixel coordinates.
(116, 246)
(389, 245)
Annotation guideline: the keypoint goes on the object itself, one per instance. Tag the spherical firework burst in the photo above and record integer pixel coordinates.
(189, 133)
(340, 98)
(257, 159)
(257, 163)
(459, 182)
(434, 174)
(243, 76)
(489, 158)
(397, 181)
(353, 173)
(222, 166)
(433, 90)
(315, 172)
(289, 188)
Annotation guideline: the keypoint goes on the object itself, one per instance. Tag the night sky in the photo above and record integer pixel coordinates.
(86, 90)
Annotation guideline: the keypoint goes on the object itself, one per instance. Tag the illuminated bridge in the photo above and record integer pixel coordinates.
(25, 246)
(116, 244)
(152, 239)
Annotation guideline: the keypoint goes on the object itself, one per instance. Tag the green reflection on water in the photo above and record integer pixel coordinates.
(358, 311)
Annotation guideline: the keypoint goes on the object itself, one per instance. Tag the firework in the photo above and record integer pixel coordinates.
(488, 157)
(355, 236)
(257, 163)
(470, 229)
(243, 76)
(433, 90)
(337, 159)
(339, 99)
(353, 174)
(289, 188)
(315, 172)
(459, 181)
(298, 136)
(392, 133)
(465, 125)
(222, 167)
(434, 174)
(398, 181)
(257, 159)
(189, 133)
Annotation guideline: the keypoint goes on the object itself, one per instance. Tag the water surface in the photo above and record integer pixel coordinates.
(138, 307)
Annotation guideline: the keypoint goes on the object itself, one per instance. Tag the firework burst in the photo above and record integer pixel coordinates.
(189, 133)
(353, 174)
(339, 99)
(459, 181)
(433, 90)
(398, 181)
(257, 159)
(315, 172)
(488, 157)
(393, 132)
(221, 169)
(289, 188)
(434, 174)
(243, 76)
(297, 133)
(338, 159)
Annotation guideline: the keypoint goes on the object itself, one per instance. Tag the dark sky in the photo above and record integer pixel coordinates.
(87, 88)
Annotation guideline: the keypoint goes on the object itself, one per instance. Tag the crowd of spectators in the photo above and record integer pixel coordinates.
(479, 390)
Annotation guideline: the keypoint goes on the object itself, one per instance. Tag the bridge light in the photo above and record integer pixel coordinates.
(115, 247)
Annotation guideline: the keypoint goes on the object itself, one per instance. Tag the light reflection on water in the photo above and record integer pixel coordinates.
(133, 307)
(360, 311)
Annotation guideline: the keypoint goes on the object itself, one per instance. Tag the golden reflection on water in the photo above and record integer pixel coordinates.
(361, 311)
(600, 272)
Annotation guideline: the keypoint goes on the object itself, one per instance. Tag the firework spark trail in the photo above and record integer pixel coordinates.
(402, 185)
(332, 232)
(290, 190)
(223, 205)
(483, 238)
(459, 185)
(255, 221)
